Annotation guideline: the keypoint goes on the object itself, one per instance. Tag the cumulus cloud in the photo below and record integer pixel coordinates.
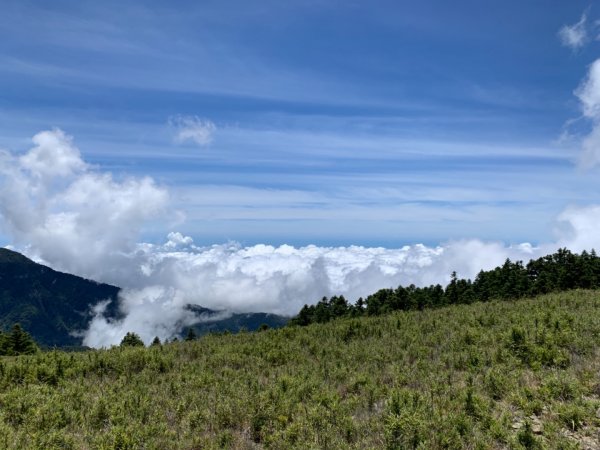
(81, 220)
(588, 94)
(54, 155)
(176, 239)
(579, 228)
(575, 36)
(65, 213)
(193, 129)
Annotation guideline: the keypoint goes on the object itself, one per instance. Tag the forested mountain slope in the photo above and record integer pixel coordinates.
(53, 305)
(48, 304)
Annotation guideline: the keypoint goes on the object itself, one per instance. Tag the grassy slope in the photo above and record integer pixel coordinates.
(477, 376)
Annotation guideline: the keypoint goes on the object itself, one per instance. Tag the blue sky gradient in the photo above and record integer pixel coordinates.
(335, 123)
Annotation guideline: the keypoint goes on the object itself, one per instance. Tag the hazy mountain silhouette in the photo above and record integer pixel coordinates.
(234, 322)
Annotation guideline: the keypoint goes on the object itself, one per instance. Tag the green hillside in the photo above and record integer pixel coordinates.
(501, 374)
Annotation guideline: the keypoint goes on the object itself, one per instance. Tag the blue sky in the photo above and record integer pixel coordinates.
(325, 122)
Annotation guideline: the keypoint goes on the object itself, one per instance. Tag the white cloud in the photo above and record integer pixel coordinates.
(151, 311)
(193, 128)
(266, 278)
(176, 239)
(579, 228)
(590, 155)
(53, 156)
(574, 36)
(588, 93)
(65, 213)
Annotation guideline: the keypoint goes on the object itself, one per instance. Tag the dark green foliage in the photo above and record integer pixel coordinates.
(49, 304)
(17, 342)
(156, 341)
(573, 416)
(558, 272)
(20, 342)
(238, 322)
(132, 340)
(191, 335)
(527, 438)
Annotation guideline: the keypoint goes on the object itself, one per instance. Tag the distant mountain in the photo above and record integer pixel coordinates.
(234, 322)
(53, 306)
(50, 305)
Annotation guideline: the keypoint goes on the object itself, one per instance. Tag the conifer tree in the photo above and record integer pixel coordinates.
(132, 340)
(17, 342)
(3, 344)
(191, 335)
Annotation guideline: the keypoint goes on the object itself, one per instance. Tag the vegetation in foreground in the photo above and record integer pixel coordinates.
(488, 375)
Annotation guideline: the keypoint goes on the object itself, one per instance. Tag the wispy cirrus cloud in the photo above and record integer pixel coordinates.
(192, 129)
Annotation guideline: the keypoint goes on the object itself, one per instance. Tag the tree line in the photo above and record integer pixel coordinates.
(560, 271)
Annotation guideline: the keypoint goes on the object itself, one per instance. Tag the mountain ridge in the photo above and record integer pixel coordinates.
(51, 305)
(56, 307)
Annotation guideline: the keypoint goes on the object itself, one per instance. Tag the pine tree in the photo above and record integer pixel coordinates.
(4, 344)
(20, 342)
(132, 340)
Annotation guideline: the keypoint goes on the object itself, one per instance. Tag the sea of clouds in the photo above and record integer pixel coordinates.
(76, 218)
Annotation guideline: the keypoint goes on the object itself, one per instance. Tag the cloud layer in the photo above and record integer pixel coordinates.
(281, 279)
(272, 279)
(76, 218)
